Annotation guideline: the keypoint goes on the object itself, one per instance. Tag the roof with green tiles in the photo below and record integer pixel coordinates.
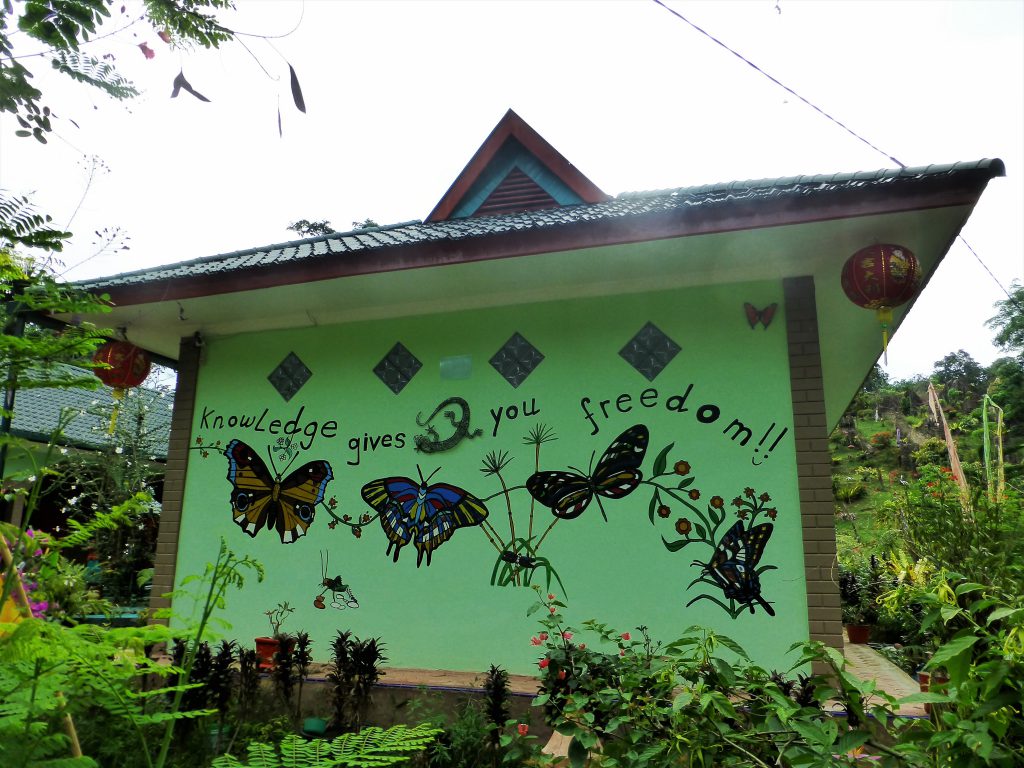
(625, 208)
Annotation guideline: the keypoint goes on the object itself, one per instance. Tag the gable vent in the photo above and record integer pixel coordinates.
(516, 192)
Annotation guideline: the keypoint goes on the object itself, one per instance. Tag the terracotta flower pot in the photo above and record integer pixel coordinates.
(858, 633)
(266, 647)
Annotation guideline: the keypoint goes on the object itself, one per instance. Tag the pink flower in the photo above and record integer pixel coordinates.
(164, 35)
(37, 553)
(622, 652)
(567, 635)
(625, 636)
(38, 609)
(552, 609)
(148, 52)
(543, 636)
(551, 597)
(543, 663)
(535, 641)
(523, 729)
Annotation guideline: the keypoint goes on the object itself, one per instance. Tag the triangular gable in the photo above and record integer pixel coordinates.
(515, 169)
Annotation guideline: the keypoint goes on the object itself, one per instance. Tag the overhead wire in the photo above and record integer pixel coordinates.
(829, 117)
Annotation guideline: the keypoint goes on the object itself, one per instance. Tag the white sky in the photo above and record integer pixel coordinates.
(400, 94)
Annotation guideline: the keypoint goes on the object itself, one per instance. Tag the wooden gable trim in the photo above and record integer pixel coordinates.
(513, 126)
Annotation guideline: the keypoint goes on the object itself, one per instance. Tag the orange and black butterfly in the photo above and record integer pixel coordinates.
(260, 499)
(763, 316)
(617, 475)
(734, 564)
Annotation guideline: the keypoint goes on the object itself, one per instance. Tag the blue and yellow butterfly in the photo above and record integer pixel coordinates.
(424, 515)
(733, 566)
(262, 500)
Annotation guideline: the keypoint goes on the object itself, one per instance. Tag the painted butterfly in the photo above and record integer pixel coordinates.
(421, 514)
(763, 316)
(733, 566)
(617, 474)
(259, 499)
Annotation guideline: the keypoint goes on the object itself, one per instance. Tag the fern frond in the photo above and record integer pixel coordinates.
(372, 747)
(21, 223)
(62, 23)
(90, 70)
(369, 748)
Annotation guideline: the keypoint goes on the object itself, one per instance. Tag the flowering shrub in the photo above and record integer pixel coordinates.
(638, 702)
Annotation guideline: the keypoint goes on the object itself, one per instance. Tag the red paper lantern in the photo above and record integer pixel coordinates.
(129, 365)
(881, 277)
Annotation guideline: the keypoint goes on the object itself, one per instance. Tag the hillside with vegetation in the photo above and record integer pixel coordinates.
(909, 524)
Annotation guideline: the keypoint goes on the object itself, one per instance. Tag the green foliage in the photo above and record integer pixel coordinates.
(932, 452)
(847, 489)
(186, 22)
(307, 228)
(354, 670)
(62, 26)
(20, 223)
(983, 540)
(1008, 322)
(699, 701)
(369, 748)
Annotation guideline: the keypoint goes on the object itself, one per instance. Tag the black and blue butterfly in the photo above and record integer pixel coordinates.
(260, 499)
(423, 515)
(617, 474)
(733, 567)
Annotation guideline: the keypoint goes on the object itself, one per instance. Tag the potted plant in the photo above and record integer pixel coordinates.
(858, 593)
(266, 647)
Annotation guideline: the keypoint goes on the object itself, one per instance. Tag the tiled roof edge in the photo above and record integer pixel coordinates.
(637, 203)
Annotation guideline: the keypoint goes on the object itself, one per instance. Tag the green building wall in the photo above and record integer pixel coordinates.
(720, 416)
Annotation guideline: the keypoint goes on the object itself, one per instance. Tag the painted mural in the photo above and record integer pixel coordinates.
(584, 482)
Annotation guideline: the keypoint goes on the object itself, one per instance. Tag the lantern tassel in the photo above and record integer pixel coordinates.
(884, 315)
(118, 394)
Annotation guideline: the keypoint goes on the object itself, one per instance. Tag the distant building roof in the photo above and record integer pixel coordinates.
(37, 411)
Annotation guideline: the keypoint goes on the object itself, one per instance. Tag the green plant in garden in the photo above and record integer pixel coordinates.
(354, 670)
(982, 539)
(367, 748)
(698, 701)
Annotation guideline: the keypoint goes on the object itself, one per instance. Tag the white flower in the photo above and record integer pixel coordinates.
(119, 450)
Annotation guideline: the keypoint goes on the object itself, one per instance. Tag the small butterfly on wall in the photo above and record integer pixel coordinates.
(763, 316)
(424, 515)
(733, 566)
(568, 493)
(261, 500)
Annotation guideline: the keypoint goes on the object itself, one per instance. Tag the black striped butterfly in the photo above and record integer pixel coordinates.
(421, 514)
(617, 475)
(733, 566)
(262, 500)
(763, 316)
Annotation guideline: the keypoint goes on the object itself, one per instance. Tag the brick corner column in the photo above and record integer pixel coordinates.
(814, 462)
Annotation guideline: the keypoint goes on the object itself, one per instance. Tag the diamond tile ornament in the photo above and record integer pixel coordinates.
(289, 376)
(397, 368)
(650, 351)
(516, 359)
